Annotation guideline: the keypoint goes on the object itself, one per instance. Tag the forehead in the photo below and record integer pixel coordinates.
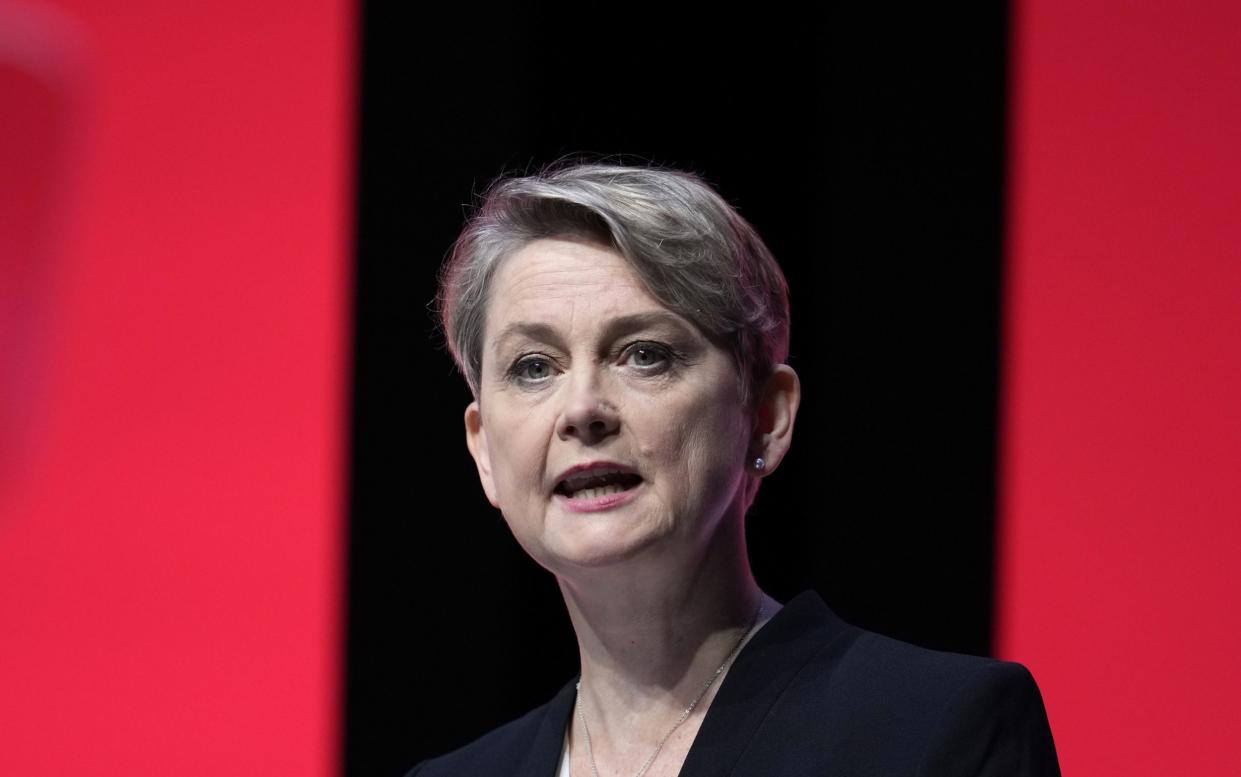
(566, 283)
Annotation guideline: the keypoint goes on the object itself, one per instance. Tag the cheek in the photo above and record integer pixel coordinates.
(716, 451)
(518, 451)
(701, 451)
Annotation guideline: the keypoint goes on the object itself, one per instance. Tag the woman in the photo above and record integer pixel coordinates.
(624, 334)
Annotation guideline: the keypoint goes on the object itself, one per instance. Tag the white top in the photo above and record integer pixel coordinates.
(563, 771)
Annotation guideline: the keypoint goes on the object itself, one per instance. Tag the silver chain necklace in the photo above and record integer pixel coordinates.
(590, 752)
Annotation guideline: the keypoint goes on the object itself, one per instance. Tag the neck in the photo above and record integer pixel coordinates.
(650, 634)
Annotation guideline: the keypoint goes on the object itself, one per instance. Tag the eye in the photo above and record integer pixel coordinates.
(532, 369)
(650, 358)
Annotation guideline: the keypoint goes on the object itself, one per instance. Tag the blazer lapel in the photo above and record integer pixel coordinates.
(544, 754)
(761, 672)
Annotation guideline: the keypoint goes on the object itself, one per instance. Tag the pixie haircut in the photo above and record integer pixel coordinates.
(691, 250)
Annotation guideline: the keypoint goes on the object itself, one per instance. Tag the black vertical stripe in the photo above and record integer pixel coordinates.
(866, 147)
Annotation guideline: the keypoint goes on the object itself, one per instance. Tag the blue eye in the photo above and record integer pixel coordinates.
(532, 369)
(649, 357)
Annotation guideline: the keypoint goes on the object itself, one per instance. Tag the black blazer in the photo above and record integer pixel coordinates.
(811, 695)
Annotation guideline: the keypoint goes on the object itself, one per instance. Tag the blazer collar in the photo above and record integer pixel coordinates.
(544, 754)
(760, 673)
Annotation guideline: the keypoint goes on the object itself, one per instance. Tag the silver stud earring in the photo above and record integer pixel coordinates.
(759, 464)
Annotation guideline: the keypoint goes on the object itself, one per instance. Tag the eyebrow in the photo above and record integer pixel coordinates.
(614, 328)
(529, 330)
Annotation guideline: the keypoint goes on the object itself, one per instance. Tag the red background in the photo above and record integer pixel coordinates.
(171, 500)
(170, 517)
(1121, 475)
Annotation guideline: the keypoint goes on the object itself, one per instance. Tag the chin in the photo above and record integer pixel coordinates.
(597, 552)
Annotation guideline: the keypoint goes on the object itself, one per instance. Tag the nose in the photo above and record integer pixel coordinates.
(587, 415)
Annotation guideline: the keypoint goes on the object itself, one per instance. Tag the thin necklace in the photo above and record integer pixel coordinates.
(590, 752)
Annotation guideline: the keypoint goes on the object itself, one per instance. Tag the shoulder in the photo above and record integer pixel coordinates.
(879, 667)
(941, 713)
(502, 750)
(855, 668)
(856, 702)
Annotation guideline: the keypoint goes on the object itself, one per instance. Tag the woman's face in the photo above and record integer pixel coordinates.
(606, 426)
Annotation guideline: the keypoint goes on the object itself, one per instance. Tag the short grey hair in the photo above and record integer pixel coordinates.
(691, 250)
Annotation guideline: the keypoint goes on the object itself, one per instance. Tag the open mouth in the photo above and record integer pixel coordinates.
(597, 483)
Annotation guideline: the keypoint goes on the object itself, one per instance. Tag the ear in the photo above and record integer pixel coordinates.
(476, 441)
(775, 413)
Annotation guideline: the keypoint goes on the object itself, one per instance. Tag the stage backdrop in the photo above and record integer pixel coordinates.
(1121, 507)
(171, 494)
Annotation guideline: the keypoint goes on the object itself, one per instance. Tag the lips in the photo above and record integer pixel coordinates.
(597, 479)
